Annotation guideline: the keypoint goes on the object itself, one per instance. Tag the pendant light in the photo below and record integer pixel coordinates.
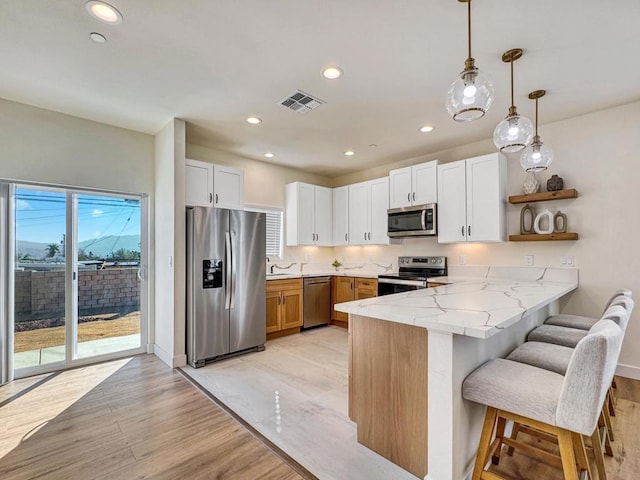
(471, 94)
(537, 156)
(514, 132)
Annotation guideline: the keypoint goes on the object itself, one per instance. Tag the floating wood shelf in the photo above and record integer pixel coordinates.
(543, 237)
(544, 196)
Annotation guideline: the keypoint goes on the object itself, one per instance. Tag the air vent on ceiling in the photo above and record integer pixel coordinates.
(301, 102)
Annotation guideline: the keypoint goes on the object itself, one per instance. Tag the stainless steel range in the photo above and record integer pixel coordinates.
(413, 274)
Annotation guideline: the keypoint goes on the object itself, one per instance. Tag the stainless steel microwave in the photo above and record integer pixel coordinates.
(416, 221)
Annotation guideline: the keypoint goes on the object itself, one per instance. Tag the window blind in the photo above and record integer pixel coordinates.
(274, 229)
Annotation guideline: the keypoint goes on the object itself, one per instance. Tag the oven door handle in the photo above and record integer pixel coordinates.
(411, 283)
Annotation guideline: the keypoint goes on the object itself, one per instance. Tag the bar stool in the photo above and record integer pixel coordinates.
(556, 358)
(585, 323)
(566, 407)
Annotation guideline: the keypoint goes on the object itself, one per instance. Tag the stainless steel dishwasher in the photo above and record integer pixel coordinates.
(316, 301)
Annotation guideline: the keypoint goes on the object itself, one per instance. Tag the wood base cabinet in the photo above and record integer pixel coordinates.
(388, 390)
(347, 289)
(284, 307)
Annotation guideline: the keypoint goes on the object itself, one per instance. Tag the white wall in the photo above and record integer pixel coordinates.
(264, 185)
(598, 154)
(170, 270)
(44, 146)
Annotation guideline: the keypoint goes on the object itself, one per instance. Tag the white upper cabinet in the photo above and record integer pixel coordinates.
(309, 214)
(228, 187)
(472, 200)
(368, 204)
(341, 216)
(208, 185)
(415, 185)
(198, 183)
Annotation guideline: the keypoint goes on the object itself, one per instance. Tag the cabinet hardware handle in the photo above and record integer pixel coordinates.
(409, 197)
(345, 237)
(463, 230)
(216, 198)
(414, 196)
(365, 235)
(279, 298)
(317, 237)
(283, 299)
(210, 197)
(369, 235)
(469, 230)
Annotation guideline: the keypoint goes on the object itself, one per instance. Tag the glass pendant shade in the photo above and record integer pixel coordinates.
(469, 96)
(513, 134)
(536, 157)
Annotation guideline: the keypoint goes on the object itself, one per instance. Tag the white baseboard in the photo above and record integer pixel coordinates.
(628, 371)
(174, 361)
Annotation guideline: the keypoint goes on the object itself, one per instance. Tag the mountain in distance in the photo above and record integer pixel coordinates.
(101, 247)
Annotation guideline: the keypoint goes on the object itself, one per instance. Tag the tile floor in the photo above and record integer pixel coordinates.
(295, 393)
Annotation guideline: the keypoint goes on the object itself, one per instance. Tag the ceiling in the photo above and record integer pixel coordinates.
(214, 63)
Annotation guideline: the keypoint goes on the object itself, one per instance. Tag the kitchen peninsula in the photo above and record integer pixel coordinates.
(410, 352)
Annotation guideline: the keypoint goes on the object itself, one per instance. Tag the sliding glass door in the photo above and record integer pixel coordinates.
(79, 289)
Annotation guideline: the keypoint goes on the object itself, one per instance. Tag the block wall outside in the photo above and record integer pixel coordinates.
(41, 294)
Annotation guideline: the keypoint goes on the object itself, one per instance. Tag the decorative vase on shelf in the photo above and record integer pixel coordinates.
(543, 224)
(526, 225)
(555, 183)
(531, 184)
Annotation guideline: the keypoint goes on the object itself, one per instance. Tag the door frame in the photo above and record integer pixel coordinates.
(71, 280)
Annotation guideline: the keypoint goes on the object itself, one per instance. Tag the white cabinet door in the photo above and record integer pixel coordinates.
(486, 198)
(452, 204)
(306, 204)
(378, 206)
(323, 211)
(400, 187)
(358, 213)
(198, 183)
(341, 216)
(228, 187)
(424, 187)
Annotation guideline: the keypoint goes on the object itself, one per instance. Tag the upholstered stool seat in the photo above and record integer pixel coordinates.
(565, 336)
(548, 356)
(582, 322)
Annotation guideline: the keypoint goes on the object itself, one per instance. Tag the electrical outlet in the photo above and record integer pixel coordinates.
(462, 260)
(306, 258)
(528, 260)
(567, 261)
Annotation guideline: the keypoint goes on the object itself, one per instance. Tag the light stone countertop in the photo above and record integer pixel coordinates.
(478, 302)
(341, 273)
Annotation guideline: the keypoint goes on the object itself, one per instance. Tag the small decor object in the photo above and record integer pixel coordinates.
(555, 183)
(336, 264)
(559, 222)
(524, 228)
(531, 183)
(540, 218)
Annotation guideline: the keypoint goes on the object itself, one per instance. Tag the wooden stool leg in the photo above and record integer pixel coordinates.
(596, 443)
(499, 435)
(581, 454)
(607, 422)
(514, 436)
(608, 451)
(485, 441)
(611, 404)
(567, 455)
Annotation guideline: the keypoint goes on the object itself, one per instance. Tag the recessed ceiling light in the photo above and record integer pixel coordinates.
(104, 12)
(98, 38)
(332, 72)
(349, 153)
(269, 155)
(254, 120)
(426, 128)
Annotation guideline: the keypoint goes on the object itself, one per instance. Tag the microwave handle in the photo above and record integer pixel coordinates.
(424, 219)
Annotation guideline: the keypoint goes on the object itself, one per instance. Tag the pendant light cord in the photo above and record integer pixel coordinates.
(536, 117)
(512, 102)
(469, 27)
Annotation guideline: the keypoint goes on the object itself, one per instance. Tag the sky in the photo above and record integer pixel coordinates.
(41, 216)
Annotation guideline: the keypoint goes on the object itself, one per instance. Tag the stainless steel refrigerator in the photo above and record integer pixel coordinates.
(226, 283)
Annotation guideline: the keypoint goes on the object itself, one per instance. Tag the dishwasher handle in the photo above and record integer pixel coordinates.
(317, 281)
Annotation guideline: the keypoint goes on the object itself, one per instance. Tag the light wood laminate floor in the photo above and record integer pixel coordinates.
(127, 419)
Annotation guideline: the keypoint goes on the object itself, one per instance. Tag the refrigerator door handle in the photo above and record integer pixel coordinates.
(228, 258)
(233, 270)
